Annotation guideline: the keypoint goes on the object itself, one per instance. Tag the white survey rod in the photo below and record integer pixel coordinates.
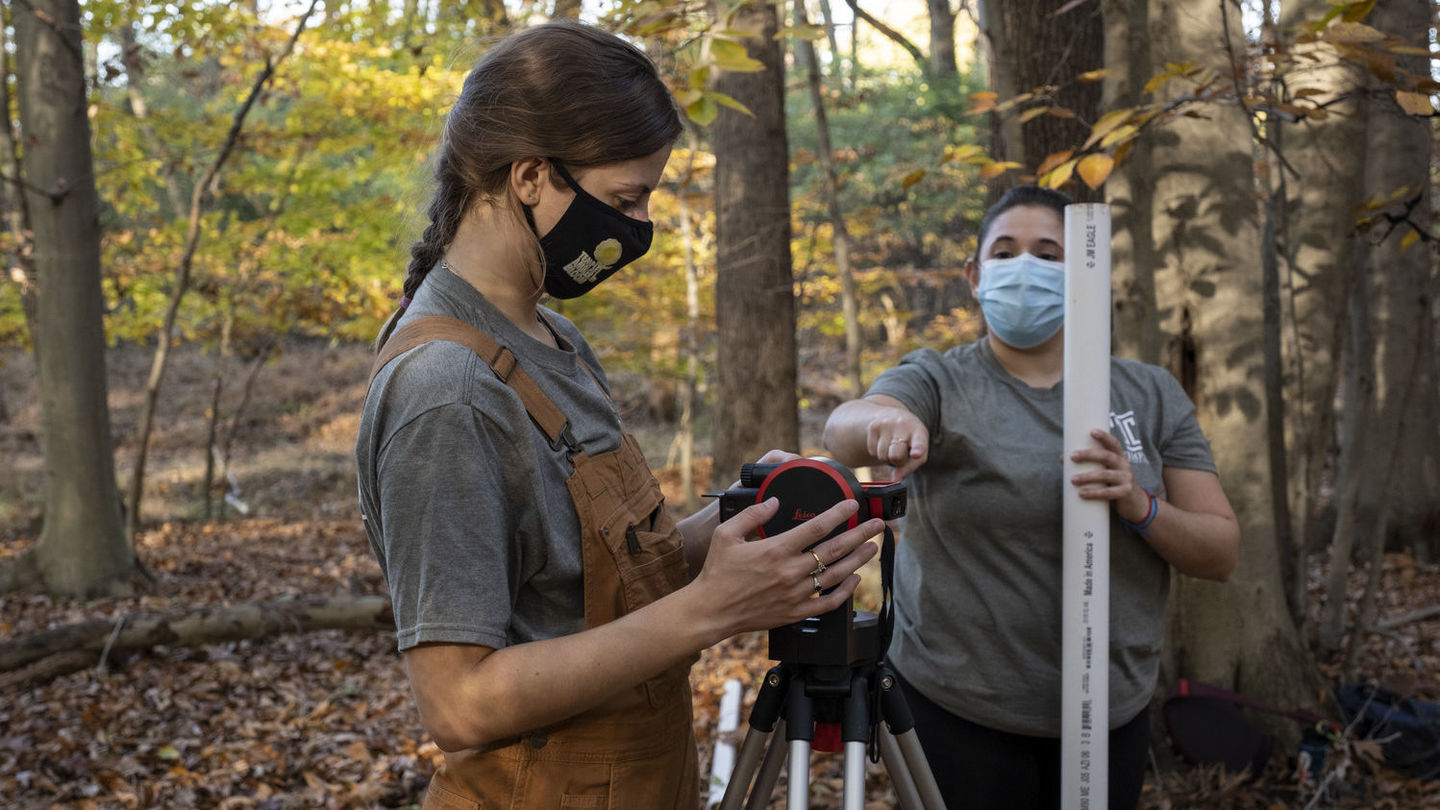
(1085, 619)
(722, 763)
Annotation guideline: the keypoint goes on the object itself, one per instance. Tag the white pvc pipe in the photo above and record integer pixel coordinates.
(1085, 619)
(722, 764)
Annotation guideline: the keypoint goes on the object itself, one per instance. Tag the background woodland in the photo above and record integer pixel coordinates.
(207, 209)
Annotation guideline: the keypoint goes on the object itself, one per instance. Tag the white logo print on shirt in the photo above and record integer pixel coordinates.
(1133, 448)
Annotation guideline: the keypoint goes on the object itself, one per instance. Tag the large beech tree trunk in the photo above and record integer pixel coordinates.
(82, 549)
(1206, 230)
(758, 405)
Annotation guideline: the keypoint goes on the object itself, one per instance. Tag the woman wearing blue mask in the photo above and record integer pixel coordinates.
(978, 432)
(547, 605)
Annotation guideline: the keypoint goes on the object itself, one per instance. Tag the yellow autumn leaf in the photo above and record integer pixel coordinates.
(1122, 135)
(1094, 75)
(1033, 113)
(1058, 176)
(1351, 33)
(982, 102)
(1409, 239)
(912, 178)
(1414, 103)
(1095, 168)
(1158, 81)
(995, 168)
(1054, 159)
(962, 152)
(1107, 123)
(811, 33)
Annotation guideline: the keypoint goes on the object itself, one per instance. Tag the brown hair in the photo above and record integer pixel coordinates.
(562, 90)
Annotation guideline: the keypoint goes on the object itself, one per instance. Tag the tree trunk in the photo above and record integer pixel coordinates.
(837, 71)
(689, 391)
(1134, 258)
(1034, 51)
(841, 234)
(1317, 225)
(757, 407)
(1398, 155)
(944, 73)
(1238, 635)
(81, 550)
(1356, 421)
(212, 449)
(198, 626)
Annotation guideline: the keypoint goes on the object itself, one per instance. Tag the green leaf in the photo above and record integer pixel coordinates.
(703, 111)
(729, 101)
(732, 56)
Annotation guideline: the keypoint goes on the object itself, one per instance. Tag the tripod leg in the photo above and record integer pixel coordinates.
(763, 716)
(800, 721)
(902, 724)
(855, 730)
(750, 752)
(769, 772)
(900, 778)
(854, 776)
(797, 796)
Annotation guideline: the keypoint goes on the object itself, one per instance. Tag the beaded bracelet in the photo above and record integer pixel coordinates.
(1149, 518)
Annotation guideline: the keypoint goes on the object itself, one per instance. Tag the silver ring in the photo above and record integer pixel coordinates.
(816, 579)
(820, 567)
(898, 440)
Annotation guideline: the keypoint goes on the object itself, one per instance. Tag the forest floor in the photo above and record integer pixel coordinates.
(325, 719)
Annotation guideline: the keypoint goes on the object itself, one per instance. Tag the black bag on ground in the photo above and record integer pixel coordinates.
(1408, 729)
(1206, 724)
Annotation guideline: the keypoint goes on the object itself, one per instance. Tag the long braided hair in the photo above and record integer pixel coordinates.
(562, 90)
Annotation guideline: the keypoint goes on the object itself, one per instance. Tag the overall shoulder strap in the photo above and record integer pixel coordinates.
(500, 359)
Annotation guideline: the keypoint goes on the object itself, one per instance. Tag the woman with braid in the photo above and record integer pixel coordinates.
(547, 605)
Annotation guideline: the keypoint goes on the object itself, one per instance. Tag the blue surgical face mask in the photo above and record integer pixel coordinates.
(1023, 299)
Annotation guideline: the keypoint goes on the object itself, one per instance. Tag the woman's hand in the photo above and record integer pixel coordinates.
(1115, 481)
(766, 583)
(878, 429)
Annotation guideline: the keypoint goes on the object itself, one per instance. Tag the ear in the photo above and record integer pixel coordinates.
(527, 177)
(972, 275)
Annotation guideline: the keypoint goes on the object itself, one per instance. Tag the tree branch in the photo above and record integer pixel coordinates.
(1407, 618)
(182, 278)
(55, 197)
(891, 34)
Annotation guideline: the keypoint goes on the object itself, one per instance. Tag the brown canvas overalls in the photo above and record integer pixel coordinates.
(637, 750)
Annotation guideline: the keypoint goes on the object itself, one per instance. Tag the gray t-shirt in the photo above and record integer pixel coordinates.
(463, 497)
(978, 572)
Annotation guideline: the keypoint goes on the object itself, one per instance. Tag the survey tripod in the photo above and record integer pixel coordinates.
(832, 686)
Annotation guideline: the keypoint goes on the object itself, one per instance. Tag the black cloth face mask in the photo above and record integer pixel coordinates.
(589, 243)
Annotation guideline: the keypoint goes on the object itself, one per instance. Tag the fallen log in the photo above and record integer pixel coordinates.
(197, 626)
(1407, 618)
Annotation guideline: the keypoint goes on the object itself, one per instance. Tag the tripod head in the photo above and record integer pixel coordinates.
(806, 487)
